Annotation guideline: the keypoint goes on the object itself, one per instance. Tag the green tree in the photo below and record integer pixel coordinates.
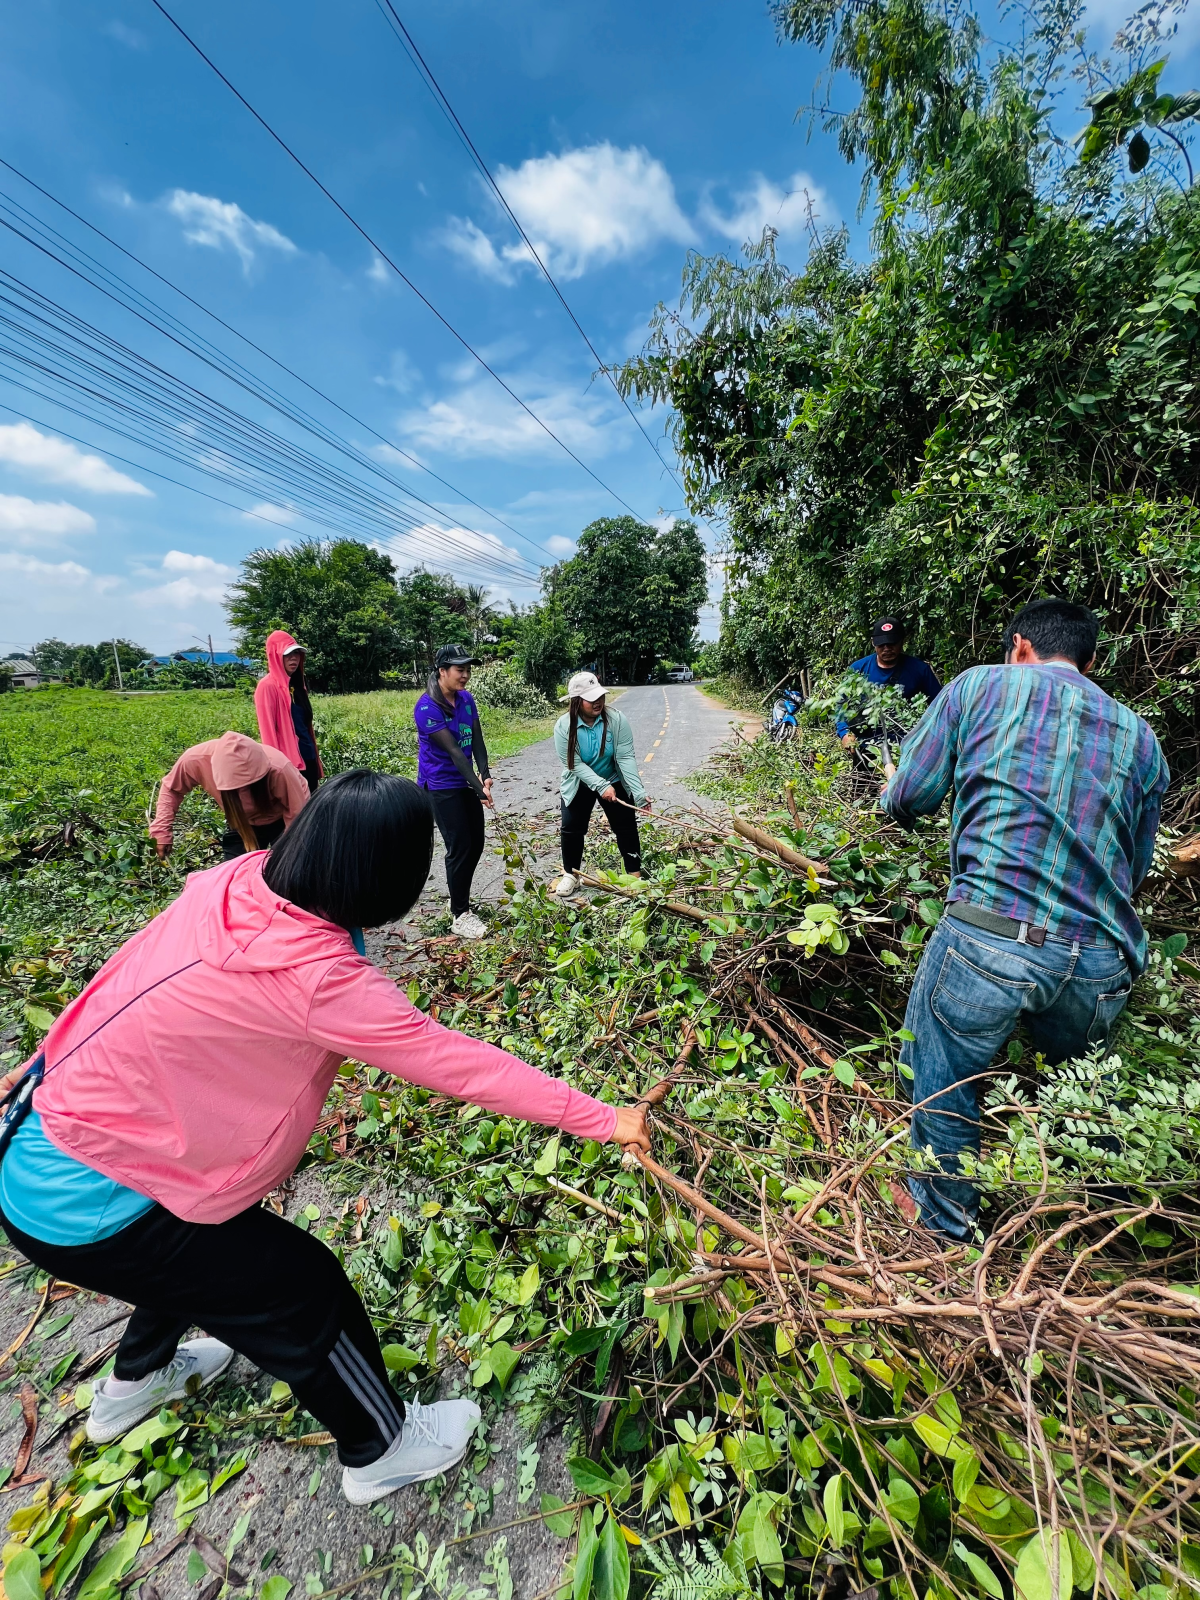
(1001, 403)
(91, 666)
(434, 610)
(546, 648)
(632, 593)
(337, 596)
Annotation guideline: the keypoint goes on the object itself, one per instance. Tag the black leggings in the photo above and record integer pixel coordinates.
(459, 816)
(256, 1282)
(232, 844)
(622, 821)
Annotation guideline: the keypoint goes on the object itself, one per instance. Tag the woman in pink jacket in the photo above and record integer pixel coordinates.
(183, 1085)
(285, 717)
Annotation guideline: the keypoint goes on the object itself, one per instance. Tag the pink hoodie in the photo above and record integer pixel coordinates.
(231, 762)
(273, 702)
(194, 1066)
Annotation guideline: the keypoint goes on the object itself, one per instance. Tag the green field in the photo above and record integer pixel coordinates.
(78, 769)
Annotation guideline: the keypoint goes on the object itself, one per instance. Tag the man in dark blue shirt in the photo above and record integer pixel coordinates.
(888, 665)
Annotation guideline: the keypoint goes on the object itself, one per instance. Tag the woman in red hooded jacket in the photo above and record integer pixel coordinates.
(285, 718)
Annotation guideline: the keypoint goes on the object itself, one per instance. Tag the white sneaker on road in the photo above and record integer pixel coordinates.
(194, 1366)
(468, 926)
(433, 1439)
(566, 885)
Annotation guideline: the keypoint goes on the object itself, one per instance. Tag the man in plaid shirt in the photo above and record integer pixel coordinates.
(1057, 794)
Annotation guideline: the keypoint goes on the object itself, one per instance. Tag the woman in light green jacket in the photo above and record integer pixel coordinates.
(595, 746)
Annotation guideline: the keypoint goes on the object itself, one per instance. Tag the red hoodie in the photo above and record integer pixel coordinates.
(273, 702)
(194, 1066)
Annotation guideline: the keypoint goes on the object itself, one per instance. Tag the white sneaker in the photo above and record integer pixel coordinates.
(194, 1366)
(433, 1439)
(566, 885)
(468, 926)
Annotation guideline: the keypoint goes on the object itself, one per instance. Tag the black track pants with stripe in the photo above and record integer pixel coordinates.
(256, 1282)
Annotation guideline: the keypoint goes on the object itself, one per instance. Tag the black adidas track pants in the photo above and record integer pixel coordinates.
(256, 1282)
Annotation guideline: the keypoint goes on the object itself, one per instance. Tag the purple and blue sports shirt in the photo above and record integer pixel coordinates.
(1058, 789)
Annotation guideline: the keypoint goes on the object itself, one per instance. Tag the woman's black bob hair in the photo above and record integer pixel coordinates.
(359, 852)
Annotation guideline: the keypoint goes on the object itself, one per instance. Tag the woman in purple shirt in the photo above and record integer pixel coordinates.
(449, 739)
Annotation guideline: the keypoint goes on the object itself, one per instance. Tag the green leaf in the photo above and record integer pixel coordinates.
(834, 1515)
(765, 1547)
(903, 1501)
(561, 1524)
(191, 1492)
(154, 1428)
(935, 1435)
(277, 1587)
(197, 1567)
(548, 1160)
(930, 912)
(585, 1558)
(114, 1563)
(399, 1358)
(1139, 152)
(966, 1470)
(23, 1575)
(610, 1573)
(503, 1359)
(589, 1477)
(844, 1072)
(979, 1570)
(390, 1246)
(585, 1340)
(230, 1470)
(1174, 946)
(1032, 1578)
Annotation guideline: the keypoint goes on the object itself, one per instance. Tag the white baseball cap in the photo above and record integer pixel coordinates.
(584, 686)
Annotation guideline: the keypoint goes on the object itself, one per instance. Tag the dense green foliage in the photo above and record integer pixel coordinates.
(631, 594)
(1000, 404)
(338, 597)
(92, 666)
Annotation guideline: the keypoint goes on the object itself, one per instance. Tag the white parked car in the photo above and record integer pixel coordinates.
(679, 675)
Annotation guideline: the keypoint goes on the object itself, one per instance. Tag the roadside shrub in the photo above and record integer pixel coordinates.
(500, 684)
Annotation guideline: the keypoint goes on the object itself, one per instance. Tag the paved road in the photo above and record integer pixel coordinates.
(675, 730)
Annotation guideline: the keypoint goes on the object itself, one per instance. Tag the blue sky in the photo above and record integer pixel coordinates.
(621, 134)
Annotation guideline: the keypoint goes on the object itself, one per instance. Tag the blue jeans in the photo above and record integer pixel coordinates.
(971, 990)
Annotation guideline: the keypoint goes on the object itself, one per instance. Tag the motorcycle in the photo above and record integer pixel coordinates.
(785, 716)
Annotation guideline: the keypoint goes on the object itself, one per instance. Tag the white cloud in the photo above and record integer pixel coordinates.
(379, 271)
(60, 574)
(201, 579)
(221, 224)
(480, 420)
(560, 546)
(27, 521)
(765, 204)
(581, 209)
(466, 239)
(124, 34)
(59, 461)
(283, 515)
(402, 374)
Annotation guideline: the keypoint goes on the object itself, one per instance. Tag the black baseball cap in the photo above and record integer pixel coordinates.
(888, 630)
(454, 655)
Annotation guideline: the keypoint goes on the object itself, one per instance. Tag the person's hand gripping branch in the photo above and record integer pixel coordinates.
(632, 1131)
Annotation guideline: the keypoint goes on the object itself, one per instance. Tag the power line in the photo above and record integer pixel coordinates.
(245, 339)
(54, 347)
(383, 255)
(425, 72)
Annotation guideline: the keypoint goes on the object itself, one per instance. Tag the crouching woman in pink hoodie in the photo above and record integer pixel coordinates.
(182, 1086)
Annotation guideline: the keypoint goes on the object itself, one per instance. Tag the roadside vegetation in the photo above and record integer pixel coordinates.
(772, 1381)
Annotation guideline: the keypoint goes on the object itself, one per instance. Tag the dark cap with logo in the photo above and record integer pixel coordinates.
(454, 655)
(888, 630)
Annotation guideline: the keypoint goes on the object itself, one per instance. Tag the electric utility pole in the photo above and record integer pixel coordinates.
(117, 659)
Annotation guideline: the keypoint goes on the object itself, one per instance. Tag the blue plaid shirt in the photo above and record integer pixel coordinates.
(1058, 789)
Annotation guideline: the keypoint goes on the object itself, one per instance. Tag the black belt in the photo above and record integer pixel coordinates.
(992, 922)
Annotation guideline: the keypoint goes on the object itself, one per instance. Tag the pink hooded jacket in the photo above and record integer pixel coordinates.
(273, 701)
(231, 762)
(194, 1066)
